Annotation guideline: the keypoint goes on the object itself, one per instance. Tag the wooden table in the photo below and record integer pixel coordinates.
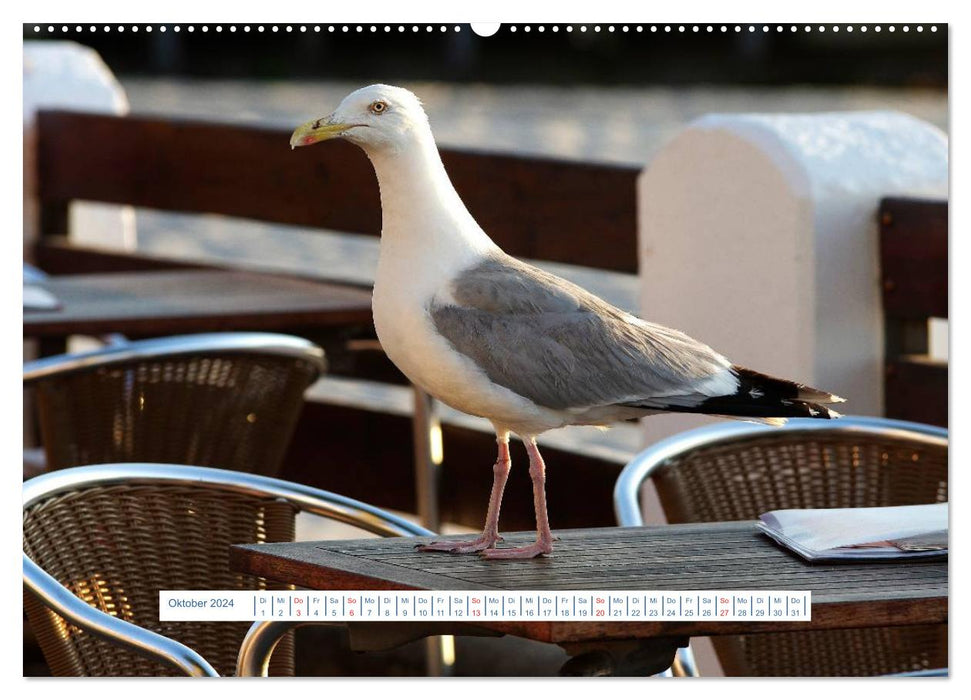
(189, 301)
(708, 556)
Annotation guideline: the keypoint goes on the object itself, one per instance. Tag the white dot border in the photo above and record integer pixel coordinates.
(684, 29)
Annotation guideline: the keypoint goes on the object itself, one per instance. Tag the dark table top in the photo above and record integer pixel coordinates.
(707, 556)
(187, 301)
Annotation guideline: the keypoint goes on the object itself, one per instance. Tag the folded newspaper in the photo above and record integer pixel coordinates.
(899, 532)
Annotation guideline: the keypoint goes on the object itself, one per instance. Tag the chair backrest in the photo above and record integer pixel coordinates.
(227, 400)
(116, 535)
(736, 471)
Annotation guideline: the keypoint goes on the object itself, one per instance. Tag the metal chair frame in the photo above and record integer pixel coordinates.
(651, 461)
(173, 346)
(122, 353)
(158, 647)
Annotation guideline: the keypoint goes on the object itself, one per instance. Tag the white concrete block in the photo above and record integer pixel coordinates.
(758, 236)
(66, 75)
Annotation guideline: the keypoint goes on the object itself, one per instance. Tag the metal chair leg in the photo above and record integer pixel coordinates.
(684, 665)
(258, 645)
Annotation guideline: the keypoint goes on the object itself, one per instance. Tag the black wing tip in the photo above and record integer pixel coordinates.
(742, 406)
(758, 397)
(782, 389)
(815, 410)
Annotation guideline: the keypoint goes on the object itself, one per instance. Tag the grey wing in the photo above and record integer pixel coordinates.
(561, 347)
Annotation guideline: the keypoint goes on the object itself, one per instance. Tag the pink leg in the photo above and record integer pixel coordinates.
(490, 534)
(544, 538)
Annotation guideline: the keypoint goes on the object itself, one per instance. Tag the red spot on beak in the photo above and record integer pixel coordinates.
(307, 140)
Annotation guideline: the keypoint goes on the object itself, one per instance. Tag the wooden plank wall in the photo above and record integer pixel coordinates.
(914, 269)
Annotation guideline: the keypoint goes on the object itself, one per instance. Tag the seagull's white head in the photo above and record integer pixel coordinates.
(376, 118)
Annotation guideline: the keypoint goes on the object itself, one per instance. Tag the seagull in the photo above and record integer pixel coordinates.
(492, 336)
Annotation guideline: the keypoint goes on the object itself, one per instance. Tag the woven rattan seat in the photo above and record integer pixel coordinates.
(226, 400)
(116, 535)
(736, 471)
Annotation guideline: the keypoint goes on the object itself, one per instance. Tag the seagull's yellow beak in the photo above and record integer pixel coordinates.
(317, 130)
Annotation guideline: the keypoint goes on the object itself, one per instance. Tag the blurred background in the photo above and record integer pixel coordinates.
(586, 91)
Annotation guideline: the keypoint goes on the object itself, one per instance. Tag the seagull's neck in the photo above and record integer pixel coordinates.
(424, 221)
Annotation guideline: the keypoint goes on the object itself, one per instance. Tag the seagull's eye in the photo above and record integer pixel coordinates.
(378, 107)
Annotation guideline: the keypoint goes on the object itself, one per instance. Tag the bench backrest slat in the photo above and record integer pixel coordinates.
(913, 266)
(559, 211)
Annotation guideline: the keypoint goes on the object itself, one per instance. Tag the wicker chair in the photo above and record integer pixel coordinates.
(226, 400)
(736, 471)
(101, 541)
